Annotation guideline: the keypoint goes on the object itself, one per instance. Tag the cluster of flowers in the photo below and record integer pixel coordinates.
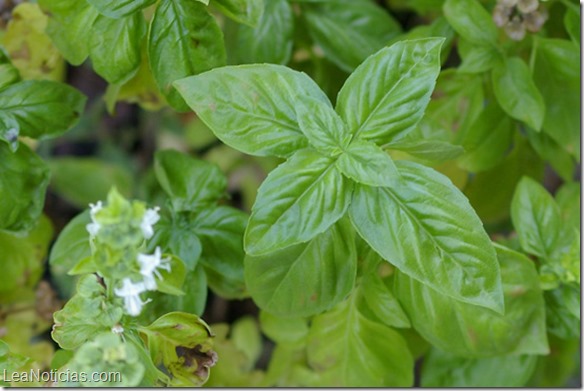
(516, 16)
(149, 264)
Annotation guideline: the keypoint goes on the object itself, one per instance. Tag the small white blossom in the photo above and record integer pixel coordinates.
(94, 226)
(149, 265)
(117, 329)
(130, 292)
(150, 218)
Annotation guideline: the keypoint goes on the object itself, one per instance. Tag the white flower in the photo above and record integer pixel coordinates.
(117, 329)
(94, 226)
(150, 218)
(130, 292)
(149, 265)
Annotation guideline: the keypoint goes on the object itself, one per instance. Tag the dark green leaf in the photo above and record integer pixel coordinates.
(563, 311)
(42, 108)
(271, 40)
(442, 369)
(560, 159)
(243, 11)
(8, 73)
(349, 350)
(307, 278)
(120, 8)
(184, 39)
(471, 21)
(433, 151)
(487, 140)
(23, 183)
(191, 184)
(517, 93)
(252, 108)
(557, 76)
(349, 31)
(293, 204)
(472, 331)
(568, 199)
(429, 231)
(114, 46)
(221, 233)
(176, 235)
(572, 24)
(364, 162)
(386, 95)
(84, 180)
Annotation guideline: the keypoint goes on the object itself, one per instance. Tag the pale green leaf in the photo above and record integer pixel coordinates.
(472, 331)
(382, 302)
(349, 350)
(385, 97)
(183, 40)
(283, 329)
(348, 31)
(293, 204)
(8, 73)
(428, 229)
(252, 108)
(366, 163)
(477, 58)
(517, 93)
(324, 268)
(120, 8)
(323, 127)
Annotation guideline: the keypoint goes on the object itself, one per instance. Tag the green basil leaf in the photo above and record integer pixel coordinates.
(271, 40)
(191, 184)
(556, 75)
(442, 369)
(477, 58)
(10, 362)
(563, 311)
(472, 331)
(283, 330)
(120, 8)
(547, 148)
(71, 246)
(9, 130)
(221, 231)
(429, 231)
(471, 21)
(431, 151)
(322, 126)
(86, 314)
(70, 27)
(115, 46)
(177, 235)
(172, 281)
(568, 199)
(382, 302)
(248, 12)
(252, 108)
(386, 95)
(572, 24)
(293, 204)
(184, 39)
(42, 108)
(82, 180)
(517, 93)
(23, 260)
(182, 343)
(557, 368)
(307, 278)
(487, 140)
(8, 72)
(536, 218)
(366, 163)
(348, 31)
(349, 350)
(23, 183)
